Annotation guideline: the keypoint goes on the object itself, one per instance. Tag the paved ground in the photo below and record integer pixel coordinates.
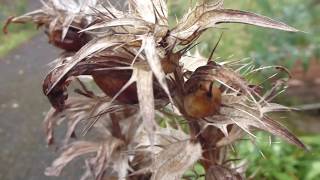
(22, 107)
(23, 152)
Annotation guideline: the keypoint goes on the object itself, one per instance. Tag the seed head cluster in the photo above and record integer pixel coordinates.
(143, 105)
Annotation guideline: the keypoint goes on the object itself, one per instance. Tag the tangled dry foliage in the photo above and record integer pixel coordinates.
(149, 77)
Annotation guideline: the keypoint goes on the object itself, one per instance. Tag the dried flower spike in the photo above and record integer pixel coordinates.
(152, 87)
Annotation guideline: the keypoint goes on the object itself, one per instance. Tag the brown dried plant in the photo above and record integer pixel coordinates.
(163, 109)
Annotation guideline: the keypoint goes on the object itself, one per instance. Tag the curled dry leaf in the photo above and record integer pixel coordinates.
(205, 16)
(174, 160)
(62, 21)
(146, 100)
(74, 150)
(246, 117)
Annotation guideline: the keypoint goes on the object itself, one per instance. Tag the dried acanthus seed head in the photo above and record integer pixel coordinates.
(204, 100)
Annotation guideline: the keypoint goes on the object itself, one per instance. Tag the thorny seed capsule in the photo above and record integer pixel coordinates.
(113, 81)
(203, 101)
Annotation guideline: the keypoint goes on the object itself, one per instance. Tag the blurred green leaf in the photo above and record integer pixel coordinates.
(17, 33)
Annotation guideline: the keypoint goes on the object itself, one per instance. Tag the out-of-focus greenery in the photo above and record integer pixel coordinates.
(270, 47)
(267, 47)
(198, 173)
(281, 161)
(276, 160)
(17, 33)
(273, 47)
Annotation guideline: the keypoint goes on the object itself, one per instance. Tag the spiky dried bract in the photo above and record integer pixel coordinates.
(174, 160)
(74, 150)
(56, 14)
(152, 88)
(62, 21)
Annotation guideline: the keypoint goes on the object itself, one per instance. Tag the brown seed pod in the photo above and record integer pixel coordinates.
(170, 62)
(168, 67)
(202, 100)
(73, 40)
(112, 82)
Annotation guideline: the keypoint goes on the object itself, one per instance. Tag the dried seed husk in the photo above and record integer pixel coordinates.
(203, 101)
(72, 42)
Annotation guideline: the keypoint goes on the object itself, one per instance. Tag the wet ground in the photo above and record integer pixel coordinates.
(23, 152)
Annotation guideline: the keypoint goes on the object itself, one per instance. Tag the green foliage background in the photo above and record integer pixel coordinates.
(270, 47)
(280, 160)
(266, 46)
(17, 33)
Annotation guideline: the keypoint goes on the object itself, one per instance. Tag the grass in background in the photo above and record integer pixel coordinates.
(266, 47)
(281, 161)
(17, 33)
(270, 47)
(286, 48)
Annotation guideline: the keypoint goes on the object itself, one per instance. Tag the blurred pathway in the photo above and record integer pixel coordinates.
(23, 152)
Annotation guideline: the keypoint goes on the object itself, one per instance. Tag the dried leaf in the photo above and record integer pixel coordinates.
(217, 172)
(98, 165)
(49, 123)
(37, 16)
(64, 14)
(154, 62)
(235, 133)
(235, 16)
(87, 50)
(191, 17)
(246, 117)
(203, 17)
(161, 11)
(74, 150)
(146, 100)
(145, 9)
(191, 62)
(174, 160)
(280, 131)
(137, 24)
